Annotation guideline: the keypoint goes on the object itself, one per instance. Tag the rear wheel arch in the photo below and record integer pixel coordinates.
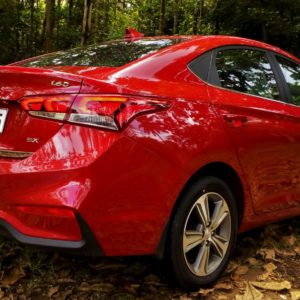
(219, 170)
(195, 250)
(223, 172)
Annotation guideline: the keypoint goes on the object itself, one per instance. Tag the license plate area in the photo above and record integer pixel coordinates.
(3, 115)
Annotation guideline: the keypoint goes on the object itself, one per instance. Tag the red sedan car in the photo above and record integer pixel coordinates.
(163, 145)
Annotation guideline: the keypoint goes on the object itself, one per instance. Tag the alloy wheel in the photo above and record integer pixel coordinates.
(206, 234)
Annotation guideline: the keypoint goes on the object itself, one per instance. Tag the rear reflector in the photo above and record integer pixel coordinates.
(104, 111)
(52, 222)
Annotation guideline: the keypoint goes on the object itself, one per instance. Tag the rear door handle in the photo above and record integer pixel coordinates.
(235, 120)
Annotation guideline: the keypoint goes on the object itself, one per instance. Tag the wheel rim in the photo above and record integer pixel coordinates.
(206, 234)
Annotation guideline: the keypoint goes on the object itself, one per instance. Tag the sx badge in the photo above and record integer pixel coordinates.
(33, 140)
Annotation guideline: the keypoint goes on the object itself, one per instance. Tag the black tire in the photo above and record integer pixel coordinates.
(185, 228)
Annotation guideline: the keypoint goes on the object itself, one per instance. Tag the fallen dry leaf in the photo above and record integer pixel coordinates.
(184, 297)
(272, 285)
(267, 253)
(65, 295)
(53, 290)
(269, 268)
(231, 267)
(97, 287)
(295, 295)
(227, 286)
(241, 285)
(66, 280)
(2, 294)
(241, 270)
(152, 278)
(297, 250)
(290, 239)
(252, 261)
(135, 286)
(14, 276)
(101, 267)
(222, 297)
(251, 293)
(285, 253)
(205, 292)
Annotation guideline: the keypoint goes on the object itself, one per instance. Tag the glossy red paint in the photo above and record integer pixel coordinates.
(125, 184)
(131, 33)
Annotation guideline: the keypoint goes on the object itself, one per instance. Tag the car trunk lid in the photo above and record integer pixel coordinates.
(20, 133)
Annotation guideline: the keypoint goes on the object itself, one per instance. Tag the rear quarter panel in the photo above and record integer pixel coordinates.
(142, 175)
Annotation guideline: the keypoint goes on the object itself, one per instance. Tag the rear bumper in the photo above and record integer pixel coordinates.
(41, 195)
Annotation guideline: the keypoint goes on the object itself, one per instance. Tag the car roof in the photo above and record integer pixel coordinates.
(166, 62)
(216, 41)
(211, 42)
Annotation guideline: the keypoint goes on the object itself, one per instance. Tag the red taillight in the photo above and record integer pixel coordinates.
(135, 107)
(104, 111)
(96, 111)
(52, 107)
(111, 112)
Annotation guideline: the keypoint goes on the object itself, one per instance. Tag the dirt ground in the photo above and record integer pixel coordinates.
(266, 265)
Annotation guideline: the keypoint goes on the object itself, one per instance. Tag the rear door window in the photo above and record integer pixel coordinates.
(291, 73)
(247, 71)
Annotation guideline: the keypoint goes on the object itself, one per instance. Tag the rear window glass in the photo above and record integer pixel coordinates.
(110, 54)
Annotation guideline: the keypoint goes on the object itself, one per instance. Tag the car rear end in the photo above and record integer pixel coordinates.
(62, 146)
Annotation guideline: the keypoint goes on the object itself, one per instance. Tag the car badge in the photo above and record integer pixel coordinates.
(33, 140)
(60, 83)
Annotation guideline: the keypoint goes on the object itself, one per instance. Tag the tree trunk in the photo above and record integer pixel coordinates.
(217, 18)
(198, 16)
(70, 16)
(97, 20)
(31, 34)
(49, 25)
(115, 8)
(175, 10)
(17, 33)
(264, 32)
(58, 17)
(162, 17)
(106, 20)
(86, 22)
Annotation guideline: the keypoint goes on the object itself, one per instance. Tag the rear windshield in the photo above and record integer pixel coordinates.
(110, 54)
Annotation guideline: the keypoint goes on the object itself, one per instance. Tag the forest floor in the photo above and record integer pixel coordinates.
(266, 265)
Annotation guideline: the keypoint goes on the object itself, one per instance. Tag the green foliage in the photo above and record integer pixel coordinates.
(22, 22)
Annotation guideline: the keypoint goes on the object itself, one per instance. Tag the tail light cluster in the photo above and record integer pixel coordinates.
(104, 111)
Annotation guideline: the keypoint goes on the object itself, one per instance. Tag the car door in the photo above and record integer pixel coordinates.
(289, 71)
(247, 91)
